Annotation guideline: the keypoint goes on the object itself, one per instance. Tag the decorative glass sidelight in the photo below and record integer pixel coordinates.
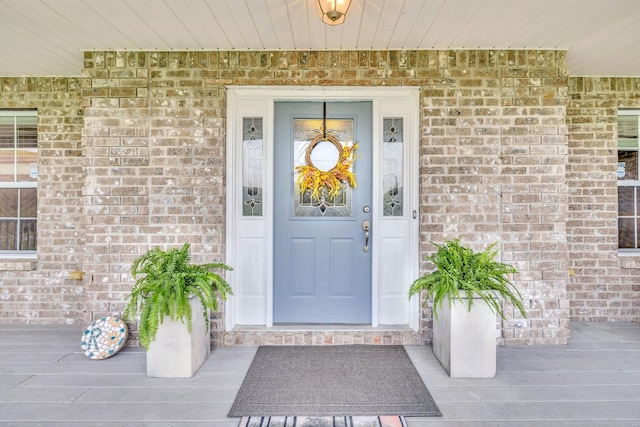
(325, 156)
(392, 167)
(252, 166)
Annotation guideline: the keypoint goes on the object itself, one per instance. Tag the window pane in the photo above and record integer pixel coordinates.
(7, 149)
(7, 165)
(340, 134)
(27, 131)
(625, 201)
(8, 234)
(628, 165)
(627, 131)
(27, 165)
(28, 203)
(27, 148)
(28, 234)
(627, 233)
(628, 217)
(7, 132)
(8, 202)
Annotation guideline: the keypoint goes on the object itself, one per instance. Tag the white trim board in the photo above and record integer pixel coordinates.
(249, 240)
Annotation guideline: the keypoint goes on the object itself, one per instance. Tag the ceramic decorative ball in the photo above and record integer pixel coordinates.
(104, 338)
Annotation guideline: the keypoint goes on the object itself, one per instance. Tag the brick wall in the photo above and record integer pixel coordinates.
(493, 164)
(493, 160)
(605, 286)
(154, 145)
(40, 291)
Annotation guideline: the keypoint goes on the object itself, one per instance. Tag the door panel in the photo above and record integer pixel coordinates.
(322, 273)
(301, 267)
(341, 275)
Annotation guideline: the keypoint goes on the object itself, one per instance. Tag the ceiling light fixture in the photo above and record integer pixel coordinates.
(333, 12)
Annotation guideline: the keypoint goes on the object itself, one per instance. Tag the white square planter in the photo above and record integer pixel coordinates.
(177, 353)
(465, 342)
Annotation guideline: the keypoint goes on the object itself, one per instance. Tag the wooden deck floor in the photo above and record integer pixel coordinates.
(46, 380)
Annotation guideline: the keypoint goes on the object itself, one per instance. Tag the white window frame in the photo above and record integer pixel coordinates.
(630, 182)
(18, 184)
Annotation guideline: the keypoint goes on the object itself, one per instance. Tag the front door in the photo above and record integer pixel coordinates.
(322, 212)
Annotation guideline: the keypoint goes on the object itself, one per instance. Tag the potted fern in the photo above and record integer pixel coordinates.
(169, 293)
(474, 285)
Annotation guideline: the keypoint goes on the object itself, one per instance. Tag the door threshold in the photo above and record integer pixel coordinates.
(322, 334)
(322, 327)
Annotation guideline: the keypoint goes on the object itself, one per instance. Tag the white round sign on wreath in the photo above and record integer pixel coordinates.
(324, 155)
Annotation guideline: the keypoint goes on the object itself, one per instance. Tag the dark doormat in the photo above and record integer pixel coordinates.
(344, 380)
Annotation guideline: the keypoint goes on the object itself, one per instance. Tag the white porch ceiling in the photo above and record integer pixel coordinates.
(48, 37)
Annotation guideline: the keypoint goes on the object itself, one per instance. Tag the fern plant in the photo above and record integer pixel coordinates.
(459, 271)
(165, 281)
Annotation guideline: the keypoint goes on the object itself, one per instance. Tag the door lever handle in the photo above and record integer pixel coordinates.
(366, 226)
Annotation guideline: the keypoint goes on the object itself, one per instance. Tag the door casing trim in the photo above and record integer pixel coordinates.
(248, 101)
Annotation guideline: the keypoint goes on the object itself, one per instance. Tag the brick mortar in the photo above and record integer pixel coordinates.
(493, 160)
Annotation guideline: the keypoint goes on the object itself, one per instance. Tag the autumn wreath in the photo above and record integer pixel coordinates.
(312, 179)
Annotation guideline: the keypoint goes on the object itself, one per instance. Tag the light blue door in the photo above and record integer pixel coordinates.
(322, 256)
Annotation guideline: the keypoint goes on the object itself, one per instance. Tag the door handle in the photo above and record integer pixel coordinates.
(366, 226)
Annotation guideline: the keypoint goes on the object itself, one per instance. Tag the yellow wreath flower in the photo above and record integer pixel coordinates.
(315, 180)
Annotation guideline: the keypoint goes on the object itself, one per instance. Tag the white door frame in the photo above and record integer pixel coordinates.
(249, 240)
